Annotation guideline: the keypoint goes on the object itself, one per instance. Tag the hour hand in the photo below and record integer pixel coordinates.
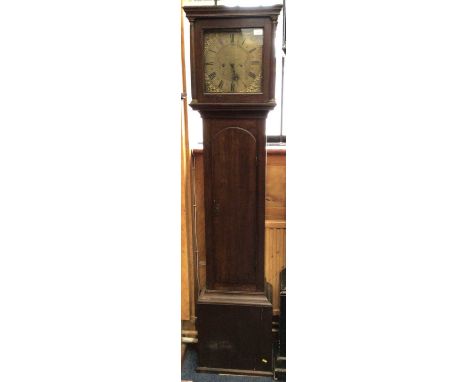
(235, 77)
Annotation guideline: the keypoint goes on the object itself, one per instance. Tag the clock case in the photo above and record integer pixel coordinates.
(225, 18)
(234, 311)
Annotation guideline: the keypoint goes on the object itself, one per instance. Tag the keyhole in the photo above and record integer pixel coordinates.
(216, 207)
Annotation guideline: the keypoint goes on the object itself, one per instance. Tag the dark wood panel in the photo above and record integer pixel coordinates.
(235, 337)
(234, 170)
(234, 173)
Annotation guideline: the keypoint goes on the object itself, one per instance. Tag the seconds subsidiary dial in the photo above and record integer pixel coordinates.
(233, 60)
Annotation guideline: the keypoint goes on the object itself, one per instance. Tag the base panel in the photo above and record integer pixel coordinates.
(235, 339)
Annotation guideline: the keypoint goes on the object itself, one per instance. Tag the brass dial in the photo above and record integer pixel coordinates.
(233, 61)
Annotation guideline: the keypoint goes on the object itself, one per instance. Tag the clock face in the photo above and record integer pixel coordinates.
(233, 60)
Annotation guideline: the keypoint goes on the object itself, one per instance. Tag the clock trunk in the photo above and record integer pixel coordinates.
(234, 202)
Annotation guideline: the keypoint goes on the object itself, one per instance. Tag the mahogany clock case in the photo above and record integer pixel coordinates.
(234, 312)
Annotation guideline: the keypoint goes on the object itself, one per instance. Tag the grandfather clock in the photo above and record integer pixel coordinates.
(233, 85)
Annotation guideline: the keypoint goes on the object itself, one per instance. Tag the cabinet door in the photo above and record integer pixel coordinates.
(234, 213)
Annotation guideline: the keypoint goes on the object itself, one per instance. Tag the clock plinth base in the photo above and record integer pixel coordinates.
(235, 333)
(253, 373)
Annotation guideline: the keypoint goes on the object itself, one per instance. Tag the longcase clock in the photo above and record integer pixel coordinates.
(233, 85)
